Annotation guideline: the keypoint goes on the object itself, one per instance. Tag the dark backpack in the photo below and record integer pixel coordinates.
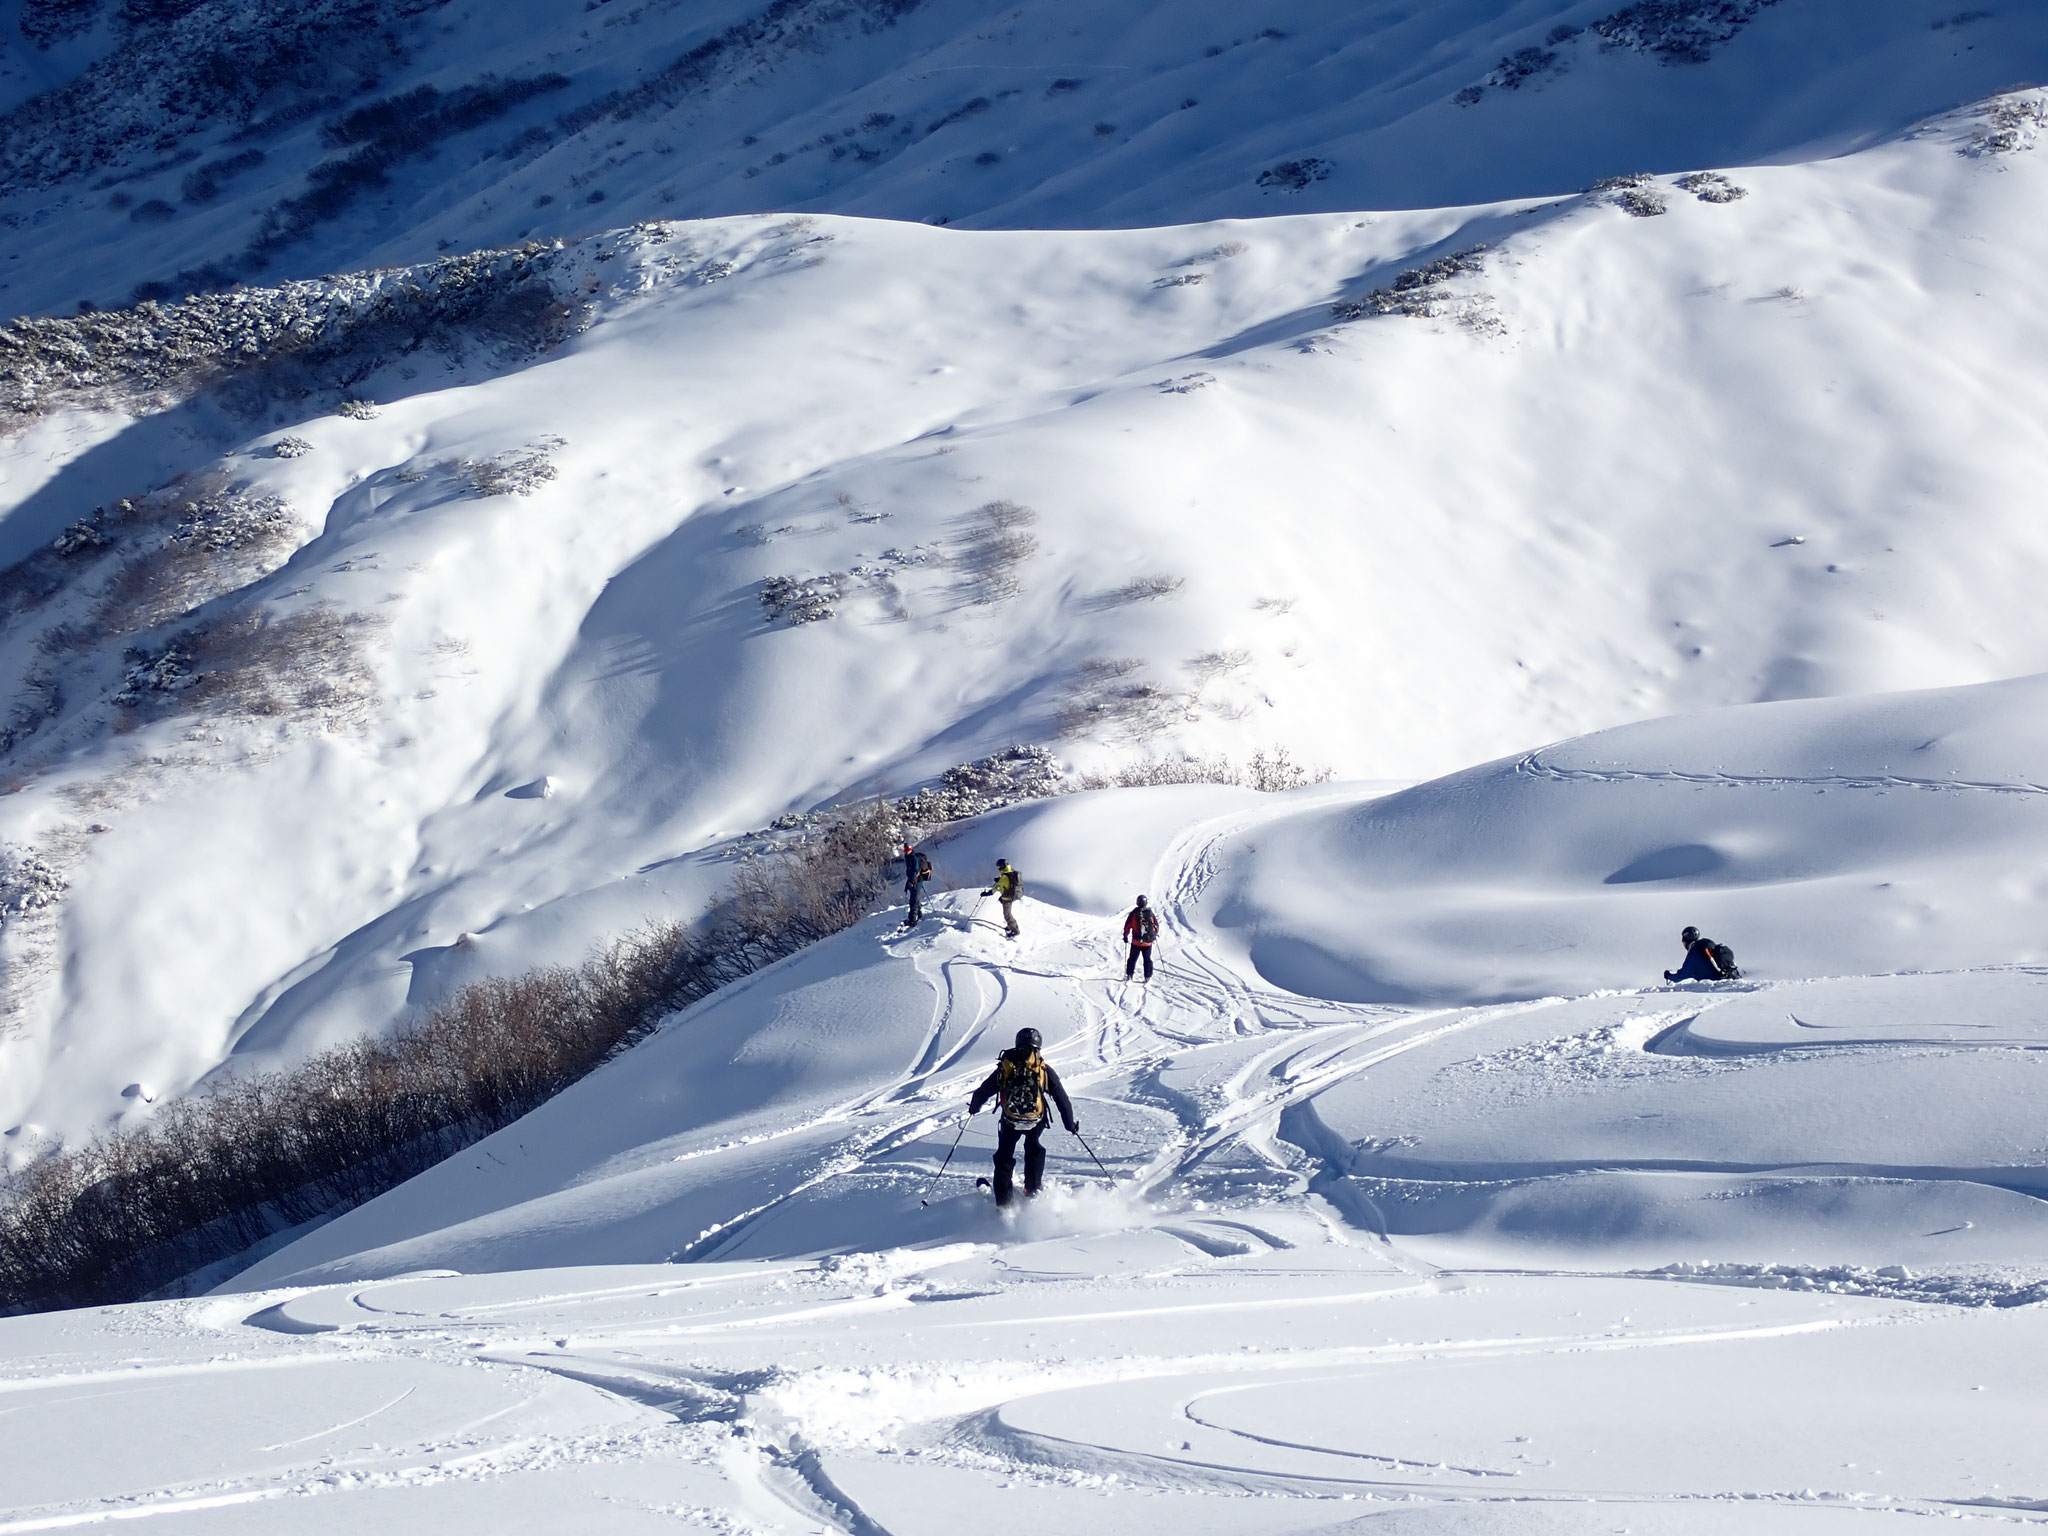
(1724, 957)
(1148, 925)
(1023, 1090)
(924, 869)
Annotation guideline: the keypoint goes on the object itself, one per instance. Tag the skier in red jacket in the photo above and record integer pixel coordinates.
(1141, 932)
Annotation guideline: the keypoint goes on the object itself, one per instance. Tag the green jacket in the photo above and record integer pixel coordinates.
(1009, 885)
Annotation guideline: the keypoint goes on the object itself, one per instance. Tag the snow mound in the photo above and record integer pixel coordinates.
(1817, 837)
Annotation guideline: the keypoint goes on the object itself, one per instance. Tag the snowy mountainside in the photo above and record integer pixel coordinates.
(164, 148)
(486, 663)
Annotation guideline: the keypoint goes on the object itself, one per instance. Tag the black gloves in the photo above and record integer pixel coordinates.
(1073, 1127)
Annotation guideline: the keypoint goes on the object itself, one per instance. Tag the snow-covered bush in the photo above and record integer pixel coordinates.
(257, 345)
(1420, 292)
(358, 410)
(1267, 772)
(1294, 175)
(509, 474)
(27, 883)
(82, 537)
(290, 448)
(1008, 777)
(801, 600)
(155, 673)
(2010, 124)
(1677, 31)
(1711, 187)
(1636, 194)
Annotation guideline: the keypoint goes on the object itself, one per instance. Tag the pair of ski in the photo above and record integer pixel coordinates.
(983, 1183)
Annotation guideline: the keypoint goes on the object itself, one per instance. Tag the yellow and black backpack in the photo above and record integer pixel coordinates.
(1023, 1089)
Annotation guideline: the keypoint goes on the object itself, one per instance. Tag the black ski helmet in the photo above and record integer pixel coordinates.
(1141, 901)
(1029, 1040)
(1689, 935)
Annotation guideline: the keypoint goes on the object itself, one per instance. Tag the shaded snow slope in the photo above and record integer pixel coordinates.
(185, 147)
(533, 651)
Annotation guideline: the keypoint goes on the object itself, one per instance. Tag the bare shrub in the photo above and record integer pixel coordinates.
(1109, 697)
(209, 1175)
(187, 568)
(992, 548)
(1211, 665)
(1142, 589)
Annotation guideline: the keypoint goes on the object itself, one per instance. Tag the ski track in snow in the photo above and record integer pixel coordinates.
(1234, 1325)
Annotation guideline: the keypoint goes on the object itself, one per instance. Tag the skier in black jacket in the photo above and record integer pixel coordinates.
(1701, 963)
(1022, 1083)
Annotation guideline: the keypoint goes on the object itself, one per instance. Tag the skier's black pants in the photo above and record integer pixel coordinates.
(916, 904)
(1006, 1158)
(1131, 964)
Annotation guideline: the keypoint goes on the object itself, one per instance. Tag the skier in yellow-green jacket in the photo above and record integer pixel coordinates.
(1008, 889)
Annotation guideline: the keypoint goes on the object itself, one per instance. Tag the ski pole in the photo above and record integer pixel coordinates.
(1091, 1152)
(949, 1159)
(977, 909)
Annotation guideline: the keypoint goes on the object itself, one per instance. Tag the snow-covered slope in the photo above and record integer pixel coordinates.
(798, 1113)
(1629, 1260)
(1051, 487)
(181, 144)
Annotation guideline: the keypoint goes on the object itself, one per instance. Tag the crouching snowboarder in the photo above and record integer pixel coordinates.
(1021, 1084)
(917, 873)
(1141, 932)
(1704, 960)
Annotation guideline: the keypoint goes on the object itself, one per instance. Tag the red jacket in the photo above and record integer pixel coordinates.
(1131, 927)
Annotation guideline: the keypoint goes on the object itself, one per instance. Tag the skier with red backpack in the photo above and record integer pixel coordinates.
(1141, 932)
(1022, 1084)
